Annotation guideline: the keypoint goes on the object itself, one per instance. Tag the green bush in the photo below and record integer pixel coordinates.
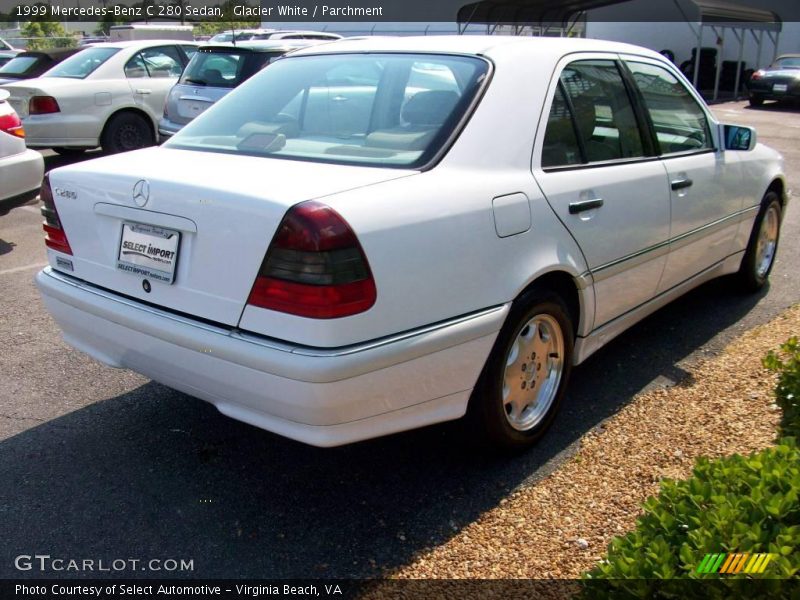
(787, 392)
(734, 504)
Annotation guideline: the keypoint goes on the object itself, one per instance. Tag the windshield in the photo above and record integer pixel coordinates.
(789, 62)
(82, 64)
(18, 65)
(370, 109)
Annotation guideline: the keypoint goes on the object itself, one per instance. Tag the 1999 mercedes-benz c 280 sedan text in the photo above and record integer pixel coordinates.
(381, 234)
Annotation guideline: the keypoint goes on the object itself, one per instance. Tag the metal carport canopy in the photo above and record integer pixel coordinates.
(717, 12)
(527, 11)
(539, 12)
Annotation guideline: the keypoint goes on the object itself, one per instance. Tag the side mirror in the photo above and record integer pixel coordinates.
(738, 137)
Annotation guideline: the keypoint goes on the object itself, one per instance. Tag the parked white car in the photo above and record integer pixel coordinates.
(386, 234)
(21, 169)
(110, 95)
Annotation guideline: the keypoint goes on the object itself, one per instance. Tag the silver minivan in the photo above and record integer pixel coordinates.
(215, 70)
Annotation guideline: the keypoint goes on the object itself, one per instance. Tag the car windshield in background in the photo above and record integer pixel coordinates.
(393, 110)
(215, 69)
(82, 64)
(18, 66)
(790, 62)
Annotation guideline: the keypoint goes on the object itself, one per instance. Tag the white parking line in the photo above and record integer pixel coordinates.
(25, 268)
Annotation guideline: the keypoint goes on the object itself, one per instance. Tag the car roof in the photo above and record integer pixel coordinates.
(479, 45)
(304, 32)
(142, 43)
(52, 53)
(790, 55)
(263, 45)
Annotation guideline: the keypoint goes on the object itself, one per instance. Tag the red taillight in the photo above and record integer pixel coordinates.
(54, 236)
(43, 105)
(12, 125)
(757, 75)
(314, 267)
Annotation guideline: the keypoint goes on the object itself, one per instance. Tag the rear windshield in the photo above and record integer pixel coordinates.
(789, 62)
(18, 65)
(82, 64)
(224, 69)
(388, 110)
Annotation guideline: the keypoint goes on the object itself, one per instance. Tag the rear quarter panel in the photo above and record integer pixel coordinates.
(432, 246)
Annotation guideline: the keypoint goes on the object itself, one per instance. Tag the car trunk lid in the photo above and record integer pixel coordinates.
(123, 215)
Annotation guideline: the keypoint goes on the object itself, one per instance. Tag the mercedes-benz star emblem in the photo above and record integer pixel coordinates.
(141, 192)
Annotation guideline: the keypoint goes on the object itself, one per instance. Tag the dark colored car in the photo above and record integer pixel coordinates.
(779, 81)
(27, 65)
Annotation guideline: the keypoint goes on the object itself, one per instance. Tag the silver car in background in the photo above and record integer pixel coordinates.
(213, 72)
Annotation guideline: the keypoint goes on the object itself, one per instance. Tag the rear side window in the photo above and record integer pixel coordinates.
(603, 112)
(679, 121)
(561, 146)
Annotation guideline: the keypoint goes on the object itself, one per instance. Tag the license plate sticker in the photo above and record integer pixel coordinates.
(148, 251)
(780, 87)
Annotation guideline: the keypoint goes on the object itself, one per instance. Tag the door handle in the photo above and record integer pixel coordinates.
(583, 205)
(144, 91)
(682, 184)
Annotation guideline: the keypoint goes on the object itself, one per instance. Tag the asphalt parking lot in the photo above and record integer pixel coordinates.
(97, 463)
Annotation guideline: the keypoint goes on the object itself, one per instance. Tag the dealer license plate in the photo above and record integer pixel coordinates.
(148, 251)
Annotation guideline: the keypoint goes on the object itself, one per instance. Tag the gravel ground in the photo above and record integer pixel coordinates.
(561, 525)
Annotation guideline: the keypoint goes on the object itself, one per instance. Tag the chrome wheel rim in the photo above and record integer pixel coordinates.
(767, 241)
(533, 369)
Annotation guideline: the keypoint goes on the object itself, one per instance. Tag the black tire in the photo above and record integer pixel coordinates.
(69, 151)
(126, 131)
(757, 263)
(489, 411)
(756, 100)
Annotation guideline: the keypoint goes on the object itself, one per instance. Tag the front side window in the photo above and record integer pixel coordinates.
(371, 109)
(680, 123)
(82, 64)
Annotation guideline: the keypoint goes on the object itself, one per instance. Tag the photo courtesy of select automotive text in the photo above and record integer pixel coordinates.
(368, 299)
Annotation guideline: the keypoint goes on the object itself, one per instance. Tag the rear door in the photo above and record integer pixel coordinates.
(705, 184)
(597, 169)
(151, 73)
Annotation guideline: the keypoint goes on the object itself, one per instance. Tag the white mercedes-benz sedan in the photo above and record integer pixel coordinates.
(110, 95)
(393, 232)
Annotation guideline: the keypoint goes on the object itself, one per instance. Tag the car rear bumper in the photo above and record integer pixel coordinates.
(766, 89)
(324, 397)
(21, 175)
(60, 130)
(167, 128)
